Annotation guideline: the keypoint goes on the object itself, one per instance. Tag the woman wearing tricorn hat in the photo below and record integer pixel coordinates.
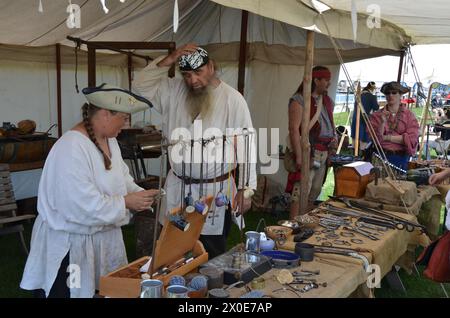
(85, 196)
(396, 126)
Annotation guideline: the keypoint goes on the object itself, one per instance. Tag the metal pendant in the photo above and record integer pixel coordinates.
(189, 200)
(221, 199)
(201, 207)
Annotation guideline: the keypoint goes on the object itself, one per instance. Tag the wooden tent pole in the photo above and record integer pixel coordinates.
(58, 89)
(306, 147)
(242, 52)
(423, 122)
(400, 65)
(358, 120)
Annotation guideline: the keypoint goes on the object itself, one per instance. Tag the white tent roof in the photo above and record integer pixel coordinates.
(403, 21)
(204, 22)
(426, 22)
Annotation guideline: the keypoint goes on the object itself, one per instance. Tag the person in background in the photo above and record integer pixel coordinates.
(322, 137)
(370, 105)
(437, 178)
(396, 127)
(85, 195)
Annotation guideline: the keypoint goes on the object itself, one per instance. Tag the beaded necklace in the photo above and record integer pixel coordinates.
(394, 123)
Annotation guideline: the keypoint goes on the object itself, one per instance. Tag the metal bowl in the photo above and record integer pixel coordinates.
(290, 224)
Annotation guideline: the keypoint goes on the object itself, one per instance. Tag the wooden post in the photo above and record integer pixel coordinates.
(58, 88)
(358, 119)
(400, 66)
(130, 68)
(91, 67)
(242, 52)
(423, 122)
(306, 147)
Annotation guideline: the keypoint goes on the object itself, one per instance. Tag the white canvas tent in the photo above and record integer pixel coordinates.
(275, 50)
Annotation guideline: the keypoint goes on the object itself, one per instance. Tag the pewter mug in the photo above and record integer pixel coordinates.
(151, 288)
(252, 243)
(177, 291)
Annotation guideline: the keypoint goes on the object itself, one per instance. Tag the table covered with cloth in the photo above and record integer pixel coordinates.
(345, 276)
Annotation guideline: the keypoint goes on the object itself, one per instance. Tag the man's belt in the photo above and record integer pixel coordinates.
(395, 152)
(321, 144)
(320, 147)
(188, 180)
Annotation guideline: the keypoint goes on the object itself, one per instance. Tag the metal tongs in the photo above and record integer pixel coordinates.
(400, 223)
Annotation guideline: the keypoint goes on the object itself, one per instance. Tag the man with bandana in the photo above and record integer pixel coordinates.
(322, 138)
(201, 101)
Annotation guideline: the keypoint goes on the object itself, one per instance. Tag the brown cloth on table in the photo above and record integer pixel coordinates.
(346, 275)
(427, 206)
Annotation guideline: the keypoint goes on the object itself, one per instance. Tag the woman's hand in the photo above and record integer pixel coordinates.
(240, 199)
(439, 177)
(141, 200)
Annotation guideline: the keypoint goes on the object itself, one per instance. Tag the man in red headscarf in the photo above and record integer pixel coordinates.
(322, 136)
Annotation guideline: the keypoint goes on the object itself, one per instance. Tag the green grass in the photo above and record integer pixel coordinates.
(341, 118)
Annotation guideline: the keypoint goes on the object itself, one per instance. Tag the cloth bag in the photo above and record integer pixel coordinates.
(436, 257)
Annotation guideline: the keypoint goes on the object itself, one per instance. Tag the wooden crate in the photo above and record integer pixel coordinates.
(126, 281)
(170, 247)
(351, 180)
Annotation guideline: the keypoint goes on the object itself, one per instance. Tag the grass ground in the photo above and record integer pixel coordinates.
(13, 260)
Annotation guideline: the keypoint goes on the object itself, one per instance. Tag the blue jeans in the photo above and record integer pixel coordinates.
(400, 161)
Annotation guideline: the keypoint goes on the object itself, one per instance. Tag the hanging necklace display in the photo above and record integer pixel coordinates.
(221, 198)
(235, 204)
(200, 205)
(248, 192)
(178, 220)
(231, 166)
(189, 200)
(185, 208)
(213, 203)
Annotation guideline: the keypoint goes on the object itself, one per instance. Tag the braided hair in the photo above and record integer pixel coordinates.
(88, 111)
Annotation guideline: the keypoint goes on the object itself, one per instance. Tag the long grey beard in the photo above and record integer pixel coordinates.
(199, 103)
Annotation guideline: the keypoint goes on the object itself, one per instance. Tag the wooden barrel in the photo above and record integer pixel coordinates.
(23, 151)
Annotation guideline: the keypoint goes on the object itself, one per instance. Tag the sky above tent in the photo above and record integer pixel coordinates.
(432, 62)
